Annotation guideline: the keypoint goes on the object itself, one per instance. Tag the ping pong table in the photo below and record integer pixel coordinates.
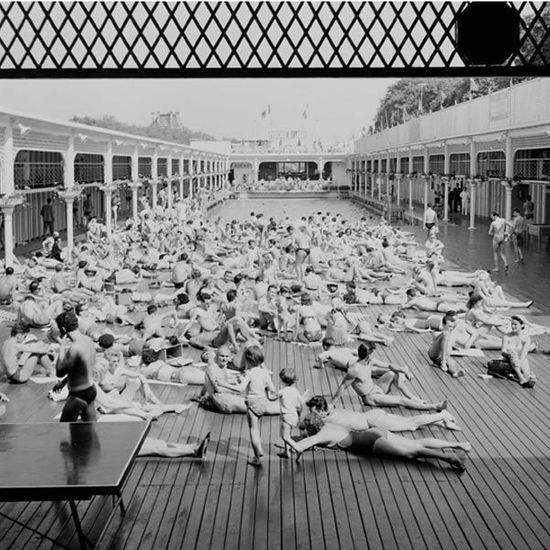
(67, 462)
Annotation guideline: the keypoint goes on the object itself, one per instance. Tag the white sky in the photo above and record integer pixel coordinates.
(337, 108)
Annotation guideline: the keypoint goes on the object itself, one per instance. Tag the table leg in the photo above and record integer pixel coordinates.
(82, 539)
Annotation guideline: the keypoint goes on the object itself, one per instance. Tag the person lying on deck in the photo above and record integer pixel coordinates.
(378, 442)
(378, 418)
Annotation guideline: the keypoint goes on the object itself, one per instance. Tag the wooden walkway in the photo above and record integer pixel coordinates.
(332, 499)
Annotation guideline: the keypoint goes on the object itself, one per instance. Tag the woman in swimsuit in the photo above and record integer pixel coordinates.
(307, 327)
(515, 347)
(378, 442)
(302, 244)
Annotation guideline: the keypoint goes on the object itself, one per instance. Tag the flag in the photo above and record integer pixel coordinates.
(420, 106)
(269, 108)
(304, 112)
(474, 87)
(442, 97)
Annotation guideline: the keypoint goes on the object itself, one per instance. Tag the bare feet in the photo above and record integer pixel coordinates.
(441, 406)
(449, 422)
(458, 462)
(201, 449)
(465, 446)
(256, 462)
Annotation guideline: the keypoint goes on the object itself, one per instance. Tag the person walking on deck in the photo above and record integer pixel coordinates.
(430, 218)
(497, 230)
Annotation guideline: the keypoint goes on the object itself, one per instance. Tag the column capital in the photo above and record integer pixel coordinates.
(9, 202)
(135, 184)
(108, 187)
(69, 194)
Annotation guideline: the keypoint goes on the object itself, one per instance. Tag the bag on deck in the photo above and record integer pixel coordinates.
(499, 368)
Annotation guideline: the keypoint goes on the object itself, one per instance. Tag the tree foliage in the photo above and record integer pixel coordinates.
(176, 135)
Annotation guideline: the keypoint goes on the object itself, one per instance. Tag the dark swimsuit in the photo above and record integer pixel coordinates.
(363, 441)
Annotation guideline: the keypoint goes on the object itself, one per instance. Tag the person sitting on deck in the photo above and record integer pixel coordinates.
(8, 286)
(377, 394)
(35, 311)
(442, 345)
(22, 353)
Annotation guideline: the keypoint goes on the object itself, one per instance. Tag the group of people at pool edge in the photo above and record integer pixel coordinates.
(225, 288)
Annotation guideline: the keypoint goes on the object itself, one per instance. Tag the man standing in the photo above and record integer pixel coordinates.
(48, 217)
(88, 209)
(430, 218)
(498, 231)
(529, 209)
(75, 363)
(518, 230)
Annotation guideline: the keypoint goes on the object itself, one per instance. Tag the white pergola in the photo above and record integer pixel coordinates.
(22, 131)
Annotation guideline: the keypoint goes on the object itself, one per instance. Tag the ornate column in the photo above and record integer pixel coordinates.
(320, 166)
(191, 172)
(154, 184)
(410, 191)
(108, 188)
(398, 177)
(445, 181)
(425, 177)
(7, 205)
(68, 168)
(473, 160)
(472, 203)
(256, 170)
(134, 186)
(509, 172)
(169, 180)
(446, 159)
(508, 186)
(69, 195)
(135, 163)
(182, 164)
(108, 159)
(379, 184)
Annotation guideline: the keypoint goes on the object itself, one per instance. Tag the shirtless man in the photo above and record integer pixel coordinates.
(498, 231)
(377, 394)
(8, 285)
(75, 363)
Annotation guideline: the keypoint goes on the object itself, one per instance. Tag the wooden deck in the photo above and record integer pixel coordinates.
(332, 499)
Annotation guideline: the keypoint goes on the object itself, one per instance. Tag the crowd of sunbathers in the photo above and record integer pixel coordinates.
(125, 311)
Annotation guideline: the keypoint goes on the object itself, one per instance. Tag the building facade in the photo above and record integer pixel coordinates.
(80, 167)
(497, 146)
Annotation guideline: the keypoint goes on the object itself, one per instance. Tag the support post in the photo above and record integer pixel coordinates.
(508, 201)
(69, 195)
(134, 186)
(425, 178)
(472, 204)
(445, 181)
(398, 188)
(8, 234)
